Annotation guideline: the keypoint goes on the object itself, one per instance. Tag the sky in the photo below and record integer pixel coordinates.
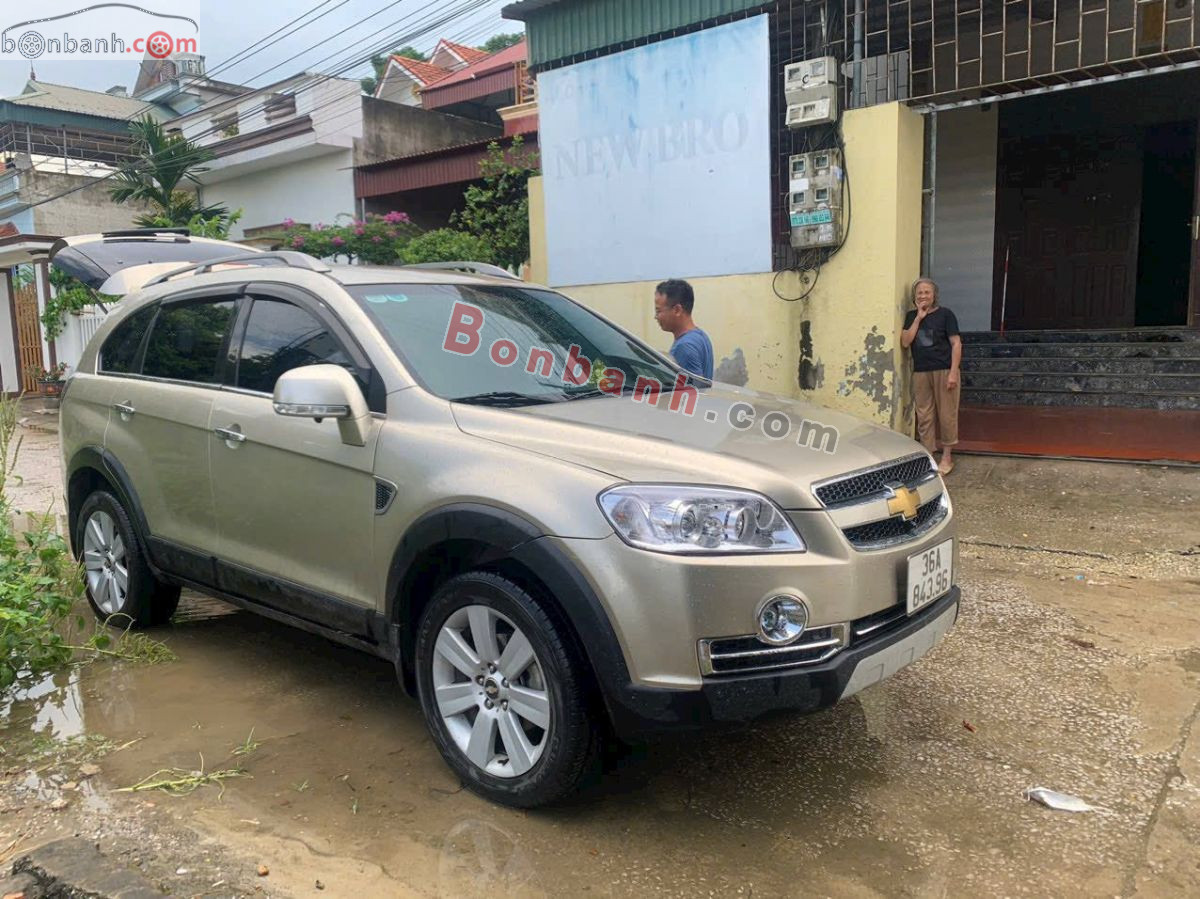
(226, 28)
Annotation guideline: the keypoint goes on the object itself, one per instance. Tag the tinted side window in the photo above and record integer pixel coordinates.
(186, 341)
(119, 352)
(281, 336)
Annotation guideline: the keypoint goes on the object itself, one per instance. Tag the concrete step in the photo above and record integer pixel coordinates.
(1034, 349)
(1121, 335)
(1187, 384)
(1086, 364)
(1019, 397)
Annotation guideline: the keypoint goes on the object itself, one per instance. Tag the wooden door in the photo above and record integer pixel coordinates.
(1068, 210)
(29, 335)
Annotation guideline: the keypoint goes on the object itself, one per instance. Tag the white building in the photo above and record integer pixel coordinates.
(288, 151)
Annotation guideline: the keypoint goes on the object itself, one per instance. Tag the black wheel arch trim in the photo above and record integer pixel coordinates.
(510, 536)
(108, 466)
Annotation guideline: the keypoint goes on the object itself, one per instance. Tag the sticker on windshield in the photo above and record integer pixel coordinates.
(386, 298)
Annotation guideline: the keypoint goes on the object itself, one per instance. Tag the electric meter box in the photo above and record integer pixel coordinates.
(801, 77)
(815, 107)
(815, 191)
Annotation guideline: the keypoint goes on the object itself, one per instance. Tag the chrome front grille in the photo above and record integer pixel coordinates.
(739, 655)
(860, 502)
(890, 531)
(872, 483)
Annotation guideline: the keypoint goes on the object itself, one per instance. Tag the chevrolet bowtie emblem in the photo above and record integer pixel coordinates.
(904, 502)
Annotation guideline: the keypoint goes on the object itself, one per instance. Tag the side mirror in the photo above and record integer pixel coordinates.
(325, 391)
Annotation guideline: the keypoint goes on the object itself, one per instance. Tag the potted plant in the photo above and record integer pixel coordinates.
(50, 383)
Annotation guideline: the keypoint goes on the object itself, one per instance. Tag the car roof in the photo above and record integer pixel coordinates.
(121, 262)
(387, 274)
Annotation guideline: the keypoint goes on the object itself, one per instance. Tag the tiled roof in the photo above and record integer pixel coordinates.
(425, 73)
(489, 63)
(468, 54)
(75, 99)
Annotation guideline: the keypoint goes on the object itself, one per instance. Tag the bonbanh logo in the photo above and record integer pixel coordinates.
(112, 31)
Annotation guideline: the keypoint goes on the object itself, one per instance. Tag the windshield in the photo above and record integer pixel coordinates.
(509, 346)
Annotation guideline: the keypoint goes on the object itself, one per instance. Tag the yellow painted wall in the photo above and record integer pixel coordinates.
(853, 315)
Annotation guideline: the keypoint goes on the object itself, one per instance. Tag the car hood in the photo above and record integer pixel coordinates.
(636, 441)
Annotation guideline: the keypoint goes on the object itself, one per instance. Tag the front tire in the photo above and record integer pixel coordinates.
(503, 692)
(121, 588)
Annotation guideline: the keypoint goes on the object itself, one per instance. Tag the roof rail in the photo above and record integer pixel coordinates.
(147, 232)
(475, 268)
(290, 258)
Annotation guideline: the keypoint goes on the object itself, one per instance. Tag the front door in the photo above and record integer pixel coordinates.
(295, 505)
(1067, 216)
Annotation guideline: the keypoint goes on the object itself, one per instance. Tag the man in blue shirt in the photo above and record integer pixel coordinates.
(692, 350)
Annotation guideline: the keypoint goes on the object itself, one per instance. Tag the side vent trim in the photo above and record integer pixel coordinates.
(385, 493)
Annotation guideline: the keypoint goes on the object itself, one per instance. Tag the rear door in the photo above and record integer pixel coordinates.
(158, 427)
(87, 404)
(296, 506)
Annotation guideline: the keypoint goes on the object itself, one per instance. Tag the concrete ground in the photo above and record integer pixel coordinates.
(1075, 665)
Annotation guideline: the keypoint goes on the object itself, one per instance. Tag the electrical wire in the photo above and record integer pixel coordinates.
(258, 46)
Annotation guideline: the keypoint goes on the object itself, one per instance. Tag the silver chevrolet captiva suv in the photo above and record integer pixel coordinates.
(554, 533)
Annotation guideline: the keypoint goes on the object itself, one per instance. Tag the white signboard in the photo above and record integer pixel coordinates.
(657, 160)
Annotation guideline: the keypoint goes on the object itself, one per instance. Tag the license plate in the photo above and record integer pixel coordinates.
(930, 575)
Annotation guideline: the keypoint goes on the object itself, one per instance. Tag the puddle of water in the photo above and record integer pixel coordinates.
(346, 787)
(51, 707)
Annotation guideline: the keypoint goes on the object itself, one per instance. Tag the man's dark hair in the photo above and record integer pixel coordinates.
(678, 293)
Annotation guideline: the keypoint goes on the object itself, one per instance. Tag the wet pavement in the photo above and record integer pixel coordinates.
(1075, 665)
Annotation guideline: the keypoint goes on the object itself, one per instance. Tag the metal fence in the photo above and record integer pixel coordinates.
(65, 143)
(78, 329)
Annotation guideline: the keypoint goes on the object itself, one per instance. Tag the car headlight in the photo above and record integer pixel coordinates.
(680, 519)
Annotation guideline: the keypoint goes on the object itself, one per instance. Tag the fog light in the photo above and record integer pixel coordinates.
(782, 620)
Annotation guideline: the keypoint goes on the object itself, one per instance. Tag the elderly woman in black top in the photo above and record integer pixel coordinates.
(931, 332)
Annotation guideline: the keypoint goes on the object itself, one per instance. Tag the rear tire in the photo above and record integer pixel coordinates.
(120, 586)
(504, 693)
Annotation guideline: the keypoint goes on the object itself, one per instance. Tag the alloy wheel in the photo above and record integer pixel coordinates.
(491, 691)
(105, 563)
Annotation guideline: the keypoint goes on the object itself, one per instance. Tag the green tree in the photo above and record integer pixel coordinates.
(445, 245)
(164, 165)
(497, 210)
(498, 42)
(379, 64)
(215, 228)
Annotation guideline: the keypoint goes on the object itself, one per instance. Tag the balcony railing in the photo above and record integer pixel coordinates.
(65, 143)
(526, 84)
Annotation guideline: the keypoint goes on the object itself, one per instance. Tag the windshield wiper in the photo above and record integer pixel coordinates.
(502, 398)
(588, 393)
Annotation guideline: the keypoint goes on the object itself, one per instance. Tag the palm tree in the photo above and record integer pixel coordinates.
(164, 162)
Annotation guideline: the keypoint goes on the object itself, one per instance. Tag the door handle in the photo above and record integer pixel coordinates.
(124, 408)
(230, 435)
(1196, 227)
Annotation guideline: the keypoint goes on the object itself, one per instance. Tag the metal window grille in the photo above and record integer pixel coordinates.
(970, 49)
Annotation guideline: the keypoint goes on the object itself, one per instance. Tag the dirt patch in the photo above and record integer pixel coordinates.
(1073, 662)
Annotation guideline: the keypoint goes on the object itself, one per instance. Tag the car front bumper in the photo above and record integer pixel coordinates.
(638, 711)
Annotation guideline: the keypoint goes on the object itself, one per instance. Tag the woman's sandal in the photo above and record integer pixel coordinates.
(944, 469)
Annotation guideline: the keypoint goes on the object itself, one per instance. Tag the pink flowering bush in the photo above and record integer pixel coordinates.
(390, 239)
(377, 239)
